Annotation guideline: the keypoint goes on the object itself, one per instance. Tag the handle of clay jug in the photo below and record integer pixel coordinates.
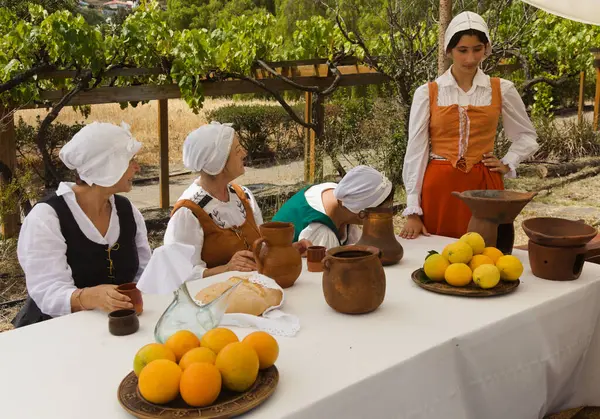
(326, 263)
(380, 254)
(362, 214)
(592, 250)
(256, 248)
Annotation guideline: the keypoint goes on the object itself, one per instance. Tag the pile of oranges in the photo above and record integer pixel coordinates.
(198, 369)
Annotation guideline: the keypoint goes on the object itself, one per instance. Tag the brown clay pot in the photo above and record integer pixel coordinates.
(378, 231)
(314, 258)
(353, 279)
(559, 247)
(275, 257)
(493, 214)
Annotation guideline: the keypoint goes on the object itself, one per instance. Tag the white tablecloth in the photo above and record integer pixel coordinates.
(420, 355)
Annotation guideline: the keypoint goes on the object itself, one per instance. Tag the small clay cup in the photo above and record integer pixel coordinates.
(129, 289)
(314, 258)
(123, 322)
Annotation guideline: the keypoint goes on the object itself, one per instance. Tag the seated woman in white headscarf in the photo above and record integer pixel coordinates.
(77, 246)
(217, 217)
(327, 214)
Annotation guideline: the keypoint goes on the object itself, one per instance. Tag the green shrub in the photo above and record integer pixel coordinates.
(267, 132)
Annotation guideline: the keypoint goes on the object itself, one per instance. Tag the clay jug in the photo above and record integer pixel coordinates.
(378, 231)
(275, 257)
(353, 279)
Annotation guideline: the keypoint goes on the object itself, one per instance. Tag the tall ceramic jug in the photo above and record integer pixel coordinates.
(274, 254)
(378, 231)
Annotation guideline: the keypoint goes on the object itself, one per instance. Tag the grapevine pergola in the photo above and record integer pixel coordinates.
(316, 77)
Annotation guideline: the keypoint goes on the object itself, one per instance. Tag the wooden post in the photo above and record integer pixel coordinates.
(316, 141)
(308, 151)
(596, 53)
(163, 150)
(445, 18)
(8, 156)
(581, 98)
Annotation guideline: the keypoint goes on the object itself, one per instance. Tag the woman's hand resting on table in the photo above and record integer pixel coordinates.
(491, 162)
(104, 297)
(413, 227)
(242, 261)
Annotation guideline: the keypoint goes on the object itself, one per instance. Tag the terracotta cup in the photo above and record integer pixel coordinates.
(123, 322)
(129, 289)
(314, 258)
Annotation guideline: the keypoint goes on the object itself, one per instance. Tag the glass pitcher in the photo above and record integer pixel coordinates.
(186, 314)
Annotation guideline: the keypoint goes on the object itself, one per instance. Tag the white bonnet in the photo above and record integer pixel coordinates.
(100, 152)
(207, 148)
(362, 187)
(464, 21)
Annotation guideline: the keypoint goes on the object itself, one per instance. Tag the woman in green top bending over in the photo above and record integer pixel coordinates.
(327, 214)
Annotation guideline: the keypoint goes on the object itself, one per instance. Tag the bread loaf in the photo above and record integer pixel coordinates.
(249, 297)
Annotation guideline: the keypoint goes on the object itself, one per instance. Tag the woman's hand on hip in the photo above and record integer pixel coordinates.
(495, 165)
(104, 297)
(413, 227)
(242, 261)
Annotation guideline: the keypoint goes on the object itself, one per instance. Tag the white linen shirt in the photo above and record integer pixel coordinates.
(184, 227)
(319, 234)
(42, 250)
(516, 122)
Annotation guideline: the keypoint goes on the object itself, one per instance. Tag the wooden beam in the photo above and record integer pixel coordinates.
(8, 156)
(163, 151)
(308, 152)
(581, 98)
(221, 88)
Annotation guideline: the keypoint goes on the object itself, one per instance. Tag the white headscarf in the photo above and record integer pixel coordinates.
(465, 21)
(207, 148)
(100, 152)
(362, 187)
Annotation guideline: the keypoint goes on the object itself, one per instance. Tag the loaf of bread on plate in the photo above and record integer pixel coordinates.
(249, 297)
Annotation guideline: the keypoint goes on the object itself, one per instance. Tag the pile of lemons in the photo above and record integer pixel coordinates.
(468, 259)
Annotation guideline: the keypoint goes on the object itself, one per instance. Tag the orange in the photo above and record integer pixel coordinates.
(159, 381)
(238, 364)
(492, 253)
(200, 384)
(197, 355)
(216, 339)
(182, 341)
(458, 275)
(149, 353)
(479, 260)
(266, 348)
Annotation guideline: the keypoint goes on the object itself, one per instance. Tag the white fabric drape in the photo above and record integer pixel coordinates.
(584, 11)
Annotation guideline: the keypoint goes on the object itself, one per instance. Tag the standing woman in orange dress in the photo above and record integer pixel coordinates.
(452, 131)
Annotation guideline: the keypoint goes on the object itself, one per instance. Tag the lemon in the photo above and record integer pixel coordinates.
(479, 260)
(492, 253)
(459, 252)
(510, 267)
(435, 266)
(458, 275)
(446, 251)
(475, 241)
(486, 276)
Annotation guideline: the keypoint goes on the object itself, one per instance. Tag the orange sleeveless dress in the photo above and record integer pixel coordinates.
(459, 135)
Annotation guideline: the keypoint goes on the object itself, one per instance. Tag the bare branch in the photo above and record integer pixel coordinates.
(24, 76)
(528, 84)
(266, 67)
(52, 115)
(273, 93)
